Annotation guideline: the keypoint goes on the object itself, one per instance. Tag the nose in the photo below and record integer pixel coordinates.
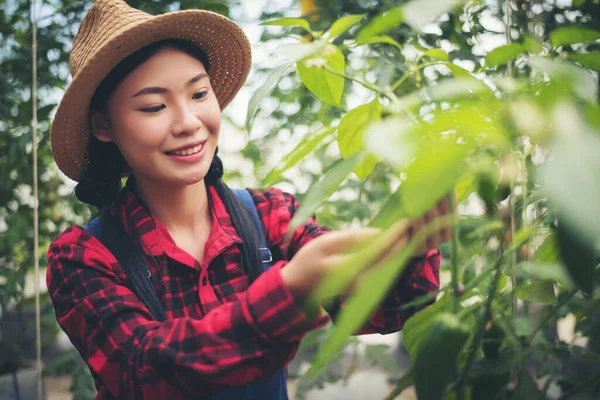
(186, 121)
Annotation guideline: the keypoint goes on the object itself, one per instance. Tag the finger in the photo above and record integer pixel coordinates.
(415, 228)
(338, 242)
(443, 207)
(431, 219)
(334, 261)
(392, 251)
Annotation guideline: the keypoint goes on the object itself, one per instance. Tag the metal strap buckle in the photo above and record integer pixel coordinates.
(262, 249)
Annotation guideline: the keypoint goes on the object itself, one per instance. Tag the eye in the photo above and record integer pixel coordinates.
(200, 95)
(150, 110)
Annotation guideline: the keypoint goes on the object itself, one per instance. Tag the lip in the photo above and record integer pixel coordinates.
(187, 146)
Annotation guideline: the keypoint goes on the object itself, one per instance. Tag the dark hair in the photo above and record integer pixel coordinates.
(100, 182)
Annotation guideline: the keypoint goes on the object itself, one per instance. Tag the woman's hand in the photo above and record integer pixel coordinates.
(319, 257)
(327, 252)
(441, 233)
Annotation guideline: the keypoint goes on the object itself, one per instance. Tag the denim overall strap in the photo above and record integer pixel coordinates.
(274, 388)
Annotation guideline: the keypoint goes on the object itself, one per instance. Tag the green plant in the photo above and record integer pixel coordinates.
(516, 134)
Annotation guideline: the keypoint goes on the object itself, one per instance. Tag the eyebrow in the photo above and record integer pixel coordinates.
(155, 90)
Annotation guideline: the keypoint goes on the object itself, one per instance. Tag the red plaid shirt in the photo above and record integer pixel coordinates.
(220, 331)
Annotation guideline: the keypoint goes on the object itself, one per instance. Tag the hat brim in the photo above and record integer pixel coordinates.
(224, 42)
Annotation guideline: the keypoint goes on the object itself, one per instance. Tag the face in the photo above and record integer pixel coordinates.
(164, 118)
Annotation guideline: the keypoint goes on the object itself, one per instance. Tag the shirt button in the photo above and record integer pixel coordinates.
(204, 280)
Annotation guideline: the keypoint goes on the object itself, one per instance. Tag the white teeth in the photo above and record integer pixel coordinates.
(187, 152)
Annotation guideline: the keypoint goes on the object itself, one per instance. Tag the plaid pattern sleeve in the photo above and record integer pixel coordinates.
(420, 277)
(133, 356)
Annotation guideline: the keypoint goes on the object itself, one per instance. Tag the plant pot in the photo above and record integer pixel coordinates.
(21, 385)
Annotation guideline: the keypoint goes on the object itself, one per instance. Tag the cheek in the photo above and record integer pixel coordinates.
(210, 115)
(140, 131)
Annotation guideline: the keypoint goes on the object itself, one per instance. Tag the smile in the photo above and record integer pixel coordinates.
(187, 152)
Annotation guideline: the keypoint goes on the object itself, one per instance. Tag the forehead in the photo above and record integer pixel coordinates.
(168, 66)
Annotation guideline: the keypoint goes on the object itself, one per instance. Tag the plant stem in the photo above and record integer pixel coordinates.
(408, 74)
(460, 384)
(454, 255)
(429, 64)
(551, 314)
(513, 256)
(402, 384)
(581, 387)
(368, 85)
(400, 81)
(508, 36)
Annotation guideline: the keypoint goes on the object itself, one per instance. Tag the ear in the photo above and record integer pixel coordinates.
(100, 126)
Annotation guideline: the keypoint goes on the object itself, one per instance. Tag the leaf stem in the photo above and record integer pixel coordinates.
(429, 64)
(368, 85)
(400, 81)
(550, 315)
(454, 255)
(460, 383)
(508, 13)
(581, 387)
(403, 383)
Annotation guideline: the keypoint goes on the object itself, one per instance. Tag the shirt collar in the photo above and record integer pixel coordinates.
(154, 236)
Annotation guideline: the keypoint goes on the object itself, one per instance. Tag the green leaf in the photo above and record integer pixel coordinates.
(464, 187)
(343, 24)
(587, 60)
(503, 54)
(381, 23)
(351, 134)
(571, 178)
(304, 148)
(520, 238)
(320, 191)
(418, 13)
(437, 54)
(325, 85)
(416, 326)
(390, 212)
(532, 45)
(568, 75)
(573, 34)
(491, 226)
(380, 39)
(547, 252)
(302, 23)
(541, 292)
(438, 356)
(299, 51)
(431, 176)
(466, 78)
(578, 255)
(263, 91)
(552, 272)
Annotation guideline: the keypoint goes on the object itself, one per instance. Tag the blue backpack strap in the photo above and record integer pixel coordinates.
(94, 227)
(246, 198)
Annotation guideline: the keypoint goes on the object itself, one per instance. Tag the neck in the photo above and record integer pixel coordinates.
(183, 209)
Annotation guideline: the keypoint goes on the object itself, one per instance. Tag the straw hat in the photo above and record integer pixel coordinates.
(111, 31)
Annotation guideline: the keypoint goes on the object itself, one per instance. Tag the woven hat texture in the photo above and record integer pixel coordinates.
(110, 31)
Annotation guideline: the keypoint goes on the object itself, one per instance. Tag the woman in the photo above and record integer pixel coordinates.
(145, 102)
